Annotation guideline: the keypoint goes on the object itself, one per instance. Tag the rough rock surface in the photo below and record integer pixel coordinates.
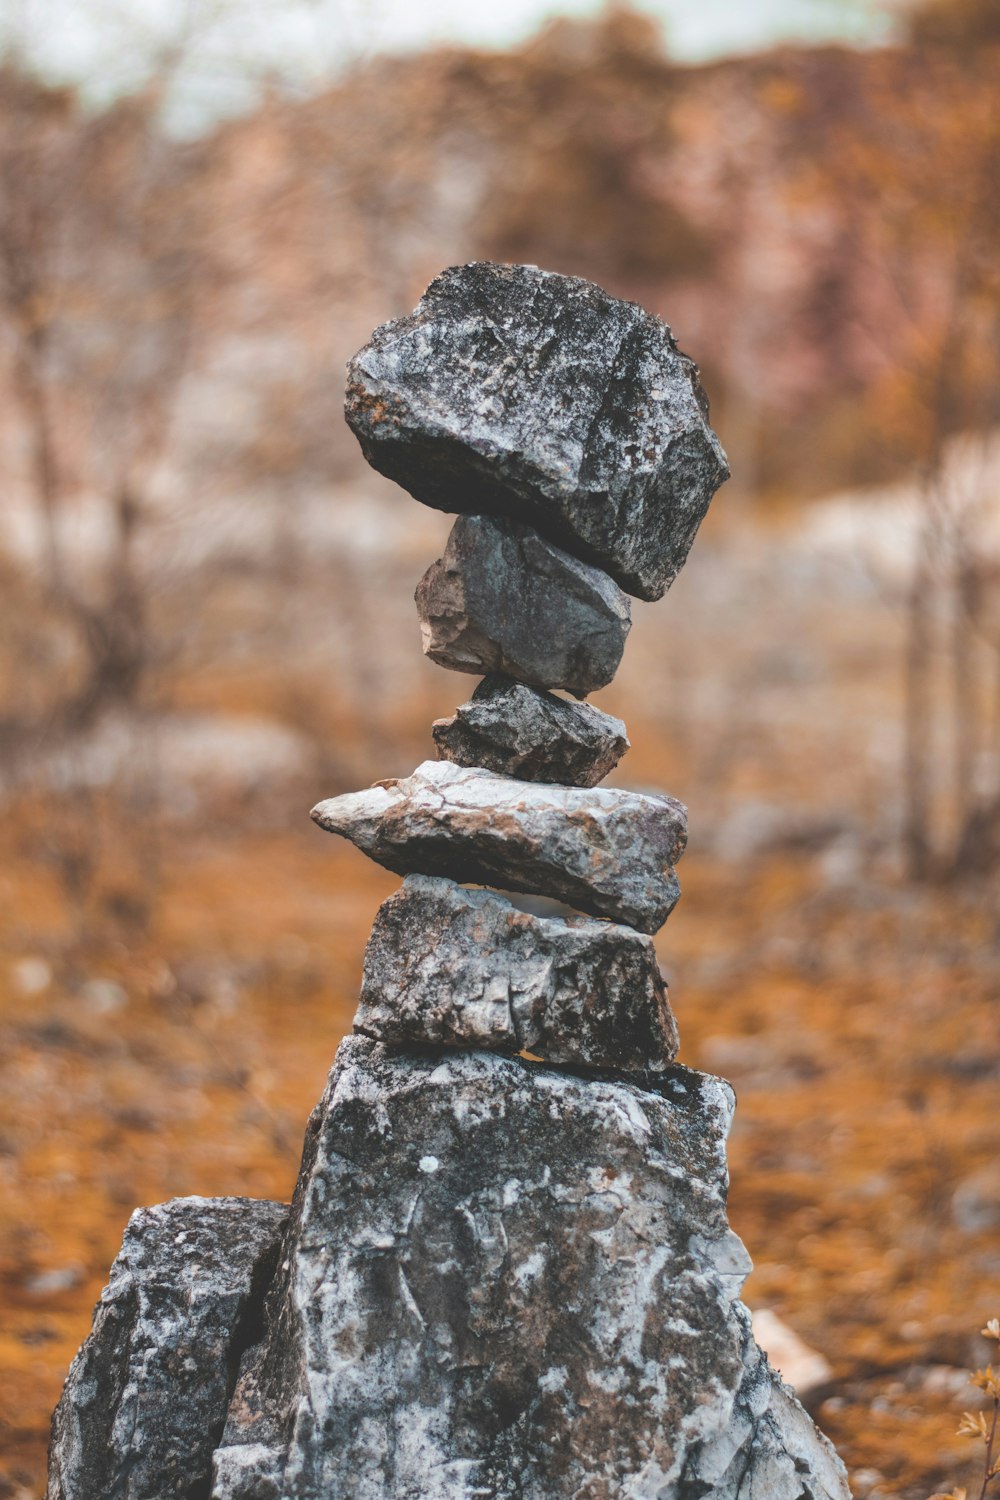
(464, 968)
(146, 1397)
(769, 1449)
(604, 851)
(515, 391)
(519, 731)
(503, 599)
(508, 1282)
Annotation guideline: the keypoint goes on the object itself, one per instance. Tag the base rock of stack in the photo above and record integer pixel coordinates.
(504, 1281)
(602, 850)
(519, 392)
(460, 968)
(146, 1397)
(502, 599)
(518, 731)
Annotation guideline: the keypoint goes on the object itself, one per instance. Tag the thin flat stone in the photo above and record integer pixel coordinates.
(517, 730)
(506, 1281)
(604, 851)
(503, 599)
(523, 393)
(460, 968)
(146, 1397)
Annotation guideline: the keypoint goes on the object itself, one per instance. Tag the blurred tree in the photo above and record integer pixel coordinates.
(103, 259)
(98, 344)
(960, 24)
(582, 190)
(928, 178)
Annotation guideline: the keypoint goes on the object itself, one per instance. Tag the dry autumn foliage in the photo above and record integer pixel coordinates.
(981, 1425)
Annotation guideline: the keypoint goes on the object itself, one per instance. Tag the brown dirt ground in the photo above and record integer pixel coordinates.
(864, 1044)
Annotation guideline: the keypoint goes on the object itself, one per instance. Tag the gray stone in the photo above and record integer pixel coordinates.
(519, 731)
(502, 599)
(515, 391)
(509, 1282)
(146, 1397)
(769, 1449)
(602, 850)
(445, 965)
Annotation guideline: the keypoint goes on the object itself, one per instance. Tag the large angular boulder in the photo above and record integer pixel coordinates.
(522, 393)
(445, 965)
(605, 851)
(506, 1281)
(518, 731)
(146, 1397)
(502, 599)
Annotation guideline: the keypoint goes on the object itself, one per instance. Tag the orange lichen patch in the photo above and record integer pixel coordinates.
(375, 408)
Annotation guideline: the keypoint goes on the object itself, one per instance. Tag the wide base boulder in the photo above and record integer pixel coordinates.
(503, 1280)
(498, 1279)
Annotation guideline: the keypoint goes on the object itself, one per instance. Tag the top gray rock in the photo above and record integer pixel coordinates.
(518, 392)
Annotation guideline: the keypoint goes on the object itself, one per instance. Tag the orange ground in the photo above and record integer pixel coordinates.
(864, 1041)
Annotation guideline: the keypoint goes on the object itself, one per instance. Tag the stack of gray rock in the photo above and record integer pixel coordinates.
(507, 1269)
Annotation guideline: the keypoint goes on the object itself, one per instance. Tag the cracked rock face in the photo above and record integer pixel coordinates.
(522, 393)
(146, 1397)
(604, 851)
(465, 968)
(502, 599)
(543, 1303)
(518, 731)
(769, 1448)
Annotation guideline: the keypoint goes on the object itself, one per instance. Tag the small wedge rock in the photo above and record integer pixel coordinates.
(460, 968)
(146, 1397)
(502, 599)
(517, 730)
(520, 392)
(604, 851)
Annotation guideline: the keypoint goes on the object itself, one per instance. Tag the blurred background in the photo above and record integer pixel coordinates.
(206, 618)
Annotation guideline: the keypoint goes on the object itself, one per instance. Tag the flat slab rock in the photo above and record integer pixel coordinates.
(146, 1397)
(518, 392)
(505, 1281)
(518, 731)
(503, 599)
(602, 850)
(445, 965)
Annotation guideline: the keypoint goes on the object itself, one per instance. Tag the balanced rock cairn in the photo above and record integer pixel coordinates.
(507, 1270)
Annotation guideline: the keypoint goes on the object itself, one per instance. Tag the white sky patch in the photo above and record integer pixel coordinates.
(222, 52)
